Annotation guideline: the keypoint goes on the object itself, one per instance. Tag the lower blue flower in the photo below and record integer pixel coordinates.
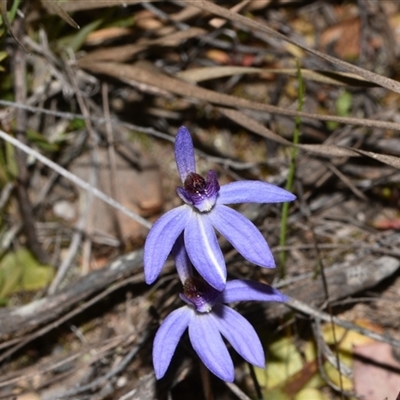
(208, 320)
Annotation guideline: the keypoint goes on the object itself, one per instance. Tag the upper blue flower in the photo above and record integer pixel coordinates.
(204, 210)
(207, 318)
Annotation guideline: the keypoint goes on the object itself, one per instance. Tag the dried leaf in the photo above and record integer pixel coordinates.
(376, 360)
(346, 37)
(386, 223)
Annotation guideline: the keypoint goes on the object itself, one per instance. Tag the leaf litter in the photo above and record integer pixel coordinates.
(230, 75)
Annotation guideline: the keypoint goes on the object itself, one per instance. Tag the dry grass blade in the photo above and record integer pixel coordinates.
(383, 158)
(253, 125)
(53, 7)
(77, 5)
(329, 77)
(123, 53)
(368, 75)
(208, 73)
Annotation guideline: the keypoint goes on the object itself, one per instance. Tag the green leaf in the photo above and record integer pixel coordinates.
(76, 41)
(41, 141)
(343, 104)
(3, 56)
(275, 394)
(20, 271)
(3, 168)
(8, 17)
(343, 108)
(36, 276)
(284, 360)
(11, 162)
(77, 123)
(11, 272)
(311, 394)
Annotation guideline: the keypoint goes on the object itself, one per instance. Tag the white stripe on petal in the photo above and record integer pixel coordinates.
(203, 249)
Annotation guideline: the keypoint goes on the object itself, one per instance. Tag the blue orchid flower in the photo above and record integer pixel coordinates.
(203, 212)
(207, 318)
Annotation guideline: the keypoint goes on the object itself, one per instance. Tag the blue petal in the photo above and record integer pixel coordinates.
(208, 344)
(252, 192)
(161, 238)
(204, 251)
(184, 153)
(240, 334)
(167, 338)
(243, 235)
(182, 262)
(244, 290)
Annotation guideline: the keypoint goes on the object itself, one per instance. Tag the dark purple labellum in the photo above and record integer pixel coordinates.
(199, 192)
(200, 294)
(195, 184)
(194, 288)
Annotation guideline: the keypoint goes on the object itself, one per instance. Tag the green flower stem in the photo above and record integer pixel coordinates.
(291, 174)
